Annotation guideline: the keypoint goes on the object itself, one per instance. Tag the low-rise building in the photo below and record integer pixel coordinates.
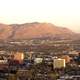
(38, 60)
(66, 57)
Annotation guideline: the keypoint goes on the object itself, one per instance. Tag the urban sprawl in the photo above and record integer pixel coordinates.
(40, 60)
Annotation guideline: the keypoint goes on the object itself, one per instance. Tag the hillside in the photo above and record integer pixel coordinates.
(34, 31)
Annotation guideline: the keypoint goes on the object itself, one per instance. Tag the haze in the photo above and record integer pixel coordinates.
(64, 13)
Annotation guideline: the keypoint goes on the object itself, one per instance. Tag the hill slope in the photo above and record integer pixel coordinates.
(34, 31)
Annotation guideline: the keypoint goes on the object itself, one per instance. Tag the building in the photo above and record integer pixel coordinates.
(19, 56)
(66, 57)
(59, 63)
(38, 60)
(73, 53)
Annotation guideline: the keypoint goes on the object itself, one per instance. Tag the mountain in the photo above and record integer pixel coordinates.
(5, 31)
(34, 31)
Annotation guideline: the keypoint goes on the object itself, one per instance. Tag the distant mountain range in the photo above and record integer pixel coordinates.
(35, 31)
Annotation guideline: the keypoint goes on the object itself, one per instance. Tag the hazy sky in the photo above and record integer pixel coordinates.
(64, 13)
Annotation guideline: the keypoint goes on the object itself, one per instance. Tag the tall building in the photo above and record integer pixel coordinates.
(59, 63)
(19, 56)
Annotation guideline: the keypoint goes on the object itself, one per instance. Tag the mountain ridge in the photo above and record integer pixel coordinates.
(34, 30)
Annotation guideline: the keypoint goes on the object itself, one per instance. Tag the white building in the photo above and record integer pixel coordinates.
(3, 61)
(38, 60)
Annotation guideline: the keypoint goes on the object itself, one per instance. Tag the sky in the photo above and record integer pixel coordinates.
(64, 13)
